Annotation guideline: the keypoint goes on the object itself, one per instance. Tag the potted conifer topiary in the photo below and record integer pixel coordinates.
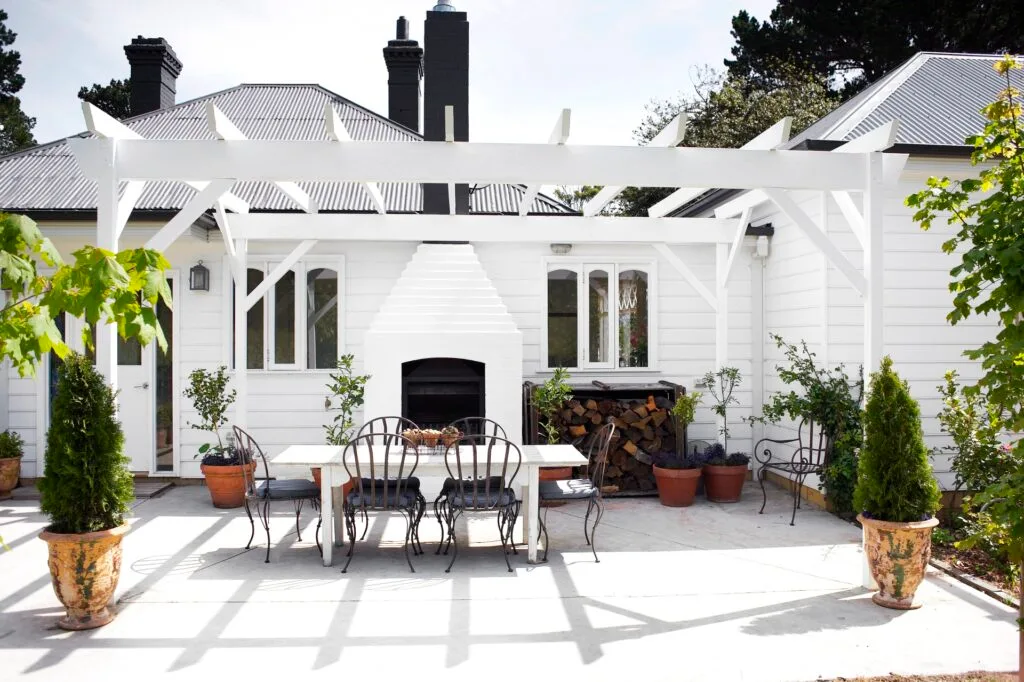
(85, 489)
(896, 491)
(222, 465)
(11, 450)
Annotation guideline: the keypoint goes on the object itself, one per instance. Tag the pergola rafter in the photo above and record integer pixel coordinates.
(560, 135)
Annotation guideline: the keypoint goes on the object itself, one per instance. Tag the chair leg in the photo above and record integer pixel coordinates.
(452, 518)
(599, 508)
(252, 524)
(266, 524)
(421, 509)
(298, 511)
(796, 499)
(350, 521)
(366, 525)
(409, 516)
(316, 536)
(543, 529)
(512, 525)
(502, 516)
(586, 519)
(762, 473)
(438, 506)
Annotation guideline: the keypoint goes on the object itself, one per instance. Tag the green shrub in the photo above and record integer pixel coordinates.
(548, 399)
(11, 445)
(86, 485)
(349, 391)
(208, 392)
(894, 478)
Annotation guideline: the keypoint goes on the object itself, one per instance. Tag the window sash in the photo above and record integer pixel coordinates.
(298, 319)
(593, 329)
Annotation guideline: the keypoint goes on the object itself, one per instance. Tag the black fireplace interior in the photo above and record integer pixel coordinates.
(437, 391)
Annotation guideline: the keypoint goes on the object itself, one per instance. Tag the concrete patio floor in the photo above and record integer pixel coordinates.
(711, 592)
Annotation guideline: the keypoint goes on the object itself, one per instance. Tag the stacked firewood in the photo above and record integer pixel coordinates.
(642, 428)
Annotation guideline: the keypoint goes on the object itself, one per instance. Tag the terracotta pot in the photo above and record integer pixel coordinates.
(555, 473)
(676, 487)
(227, 484)
(724, 483)
(84, 570)
(10, 470)
(345, 489)
(898, 556)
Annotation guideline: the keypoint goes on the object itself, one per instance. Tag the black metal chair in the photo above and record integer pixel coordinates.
(469, 427)
(482, 468)
(380, 485)
(588, 488)
(261, 492)
(811, 454)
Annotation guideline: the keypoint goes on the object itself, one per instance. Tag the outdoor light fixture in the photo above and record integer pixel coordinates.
(561, 249)
(199, 277)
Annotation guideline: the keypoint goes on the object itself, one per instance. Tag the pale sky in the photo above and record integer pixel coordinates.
(528, 59)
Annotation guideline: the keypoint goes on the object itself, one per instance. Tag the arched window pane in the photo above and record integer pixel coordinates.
(284, 319)
(633, 318)
(254, 323)
(321, 318)
(599, 334)
(563, 316)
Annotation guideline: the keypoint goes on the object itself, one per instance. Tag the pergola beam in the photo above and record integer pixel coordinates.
(183, 220)
(126, 204)
(876, 140)
(278, 272)
(337, 131)
(481, 228)
(559, 136)
(669, 136)
(741, 232)
(478, 162)
(226, 233)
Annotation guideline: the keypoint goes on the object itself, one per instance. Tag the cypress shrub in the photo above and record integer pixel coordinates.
(894, 478)
(86, 484)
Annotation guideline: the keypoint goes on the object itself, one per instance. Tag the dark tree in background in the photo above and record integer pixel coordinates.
(114, 99)
(855, 42)
(17, 127)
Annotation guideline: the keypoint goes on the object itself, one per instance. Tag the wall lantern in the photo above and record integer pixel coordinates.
(199, 277)
(561, 249)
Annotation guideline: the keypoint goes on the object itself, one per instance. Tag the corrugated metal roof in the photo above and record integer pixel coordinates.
(47, 177)
(936, 97)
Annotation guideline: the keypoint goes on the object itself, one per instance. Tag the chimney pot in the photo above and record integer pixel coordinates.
(154, 74)
(402, 31)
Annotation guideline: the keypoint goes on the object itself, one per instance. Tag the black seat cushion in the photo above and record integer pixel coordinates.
(451, 485)
(573, 489)
(411, 483)
(377, 501)
(286, 489)
(479, 499)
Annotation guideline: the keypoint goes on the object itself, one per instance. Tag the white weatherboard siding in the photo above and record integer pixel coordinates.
(287, 407)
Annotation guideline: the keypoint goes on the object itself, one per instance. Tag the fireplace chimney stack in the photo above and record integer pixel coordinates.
(154, 76)
(404, 58)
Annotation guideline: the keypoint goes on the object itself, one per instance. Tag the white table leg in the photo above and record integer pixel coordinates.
(327, 513)
(339, 518)
(532, 507)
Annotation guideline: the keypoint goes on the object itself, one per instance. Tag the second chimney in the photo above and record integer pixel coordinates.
(154, 77)
(446, 39)
(404, 58)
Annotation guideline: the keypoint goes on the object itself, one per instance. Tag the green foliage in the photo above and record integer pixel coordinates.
(576, 197)
(15, 126)
(728, 112)
(854, 44)
(349, 391)
(121, 289)
(894, 477)
(86, 485)
(686, 407)
(114, 99)
(548, 399)
(721, 385)
(11, 445)
(208, 392)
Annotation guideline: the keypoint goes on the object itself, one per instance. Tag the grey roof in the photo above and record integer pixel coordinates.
(937, 98)
(47, 177)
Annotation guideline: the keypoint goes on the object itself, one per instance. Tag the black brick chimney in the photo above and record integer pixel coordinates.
(154, 78)
(446, 67)
(404, 58)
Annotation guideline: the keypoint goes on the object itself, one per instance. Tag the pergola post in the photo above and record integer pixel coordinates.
(241, 315)
(722, 314)
(106, 238)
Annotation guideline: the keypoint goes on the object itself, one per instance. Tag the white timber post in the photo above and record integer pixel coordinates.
(106, 238)
(241, 315)
(874, 267)
(757, 344)
(722, 314)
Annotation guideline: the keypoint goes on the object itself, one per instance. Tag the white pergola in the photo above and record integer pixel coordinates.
(116, 155)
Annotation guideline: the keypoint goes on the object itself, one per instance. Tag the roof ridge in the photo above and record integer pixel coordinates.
(885, 87)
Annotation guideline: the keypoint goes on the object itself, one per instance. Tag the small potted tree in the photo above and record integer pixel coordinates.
(724, 474)
(348, 392)
(896, 492)
(11, 450)
(222, 465)
(549, 399)
(85, 489)
(677, 476)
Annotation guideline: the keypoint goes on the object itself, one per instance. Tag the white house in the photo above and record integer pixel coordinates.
(506, 297)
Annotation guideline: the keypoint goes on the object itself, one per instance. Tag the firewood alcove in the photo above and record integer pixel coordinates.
(643, 426)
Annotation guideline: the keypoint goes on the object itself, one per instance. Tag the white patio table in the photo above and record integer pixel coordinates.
(328, 458)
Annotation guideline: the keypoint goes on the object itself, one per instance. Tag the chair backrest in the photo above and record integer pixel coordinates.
(248, 449)
(482, 467)
(479, 426)
(380, 469)
(382, 428)
(815, 447)
(598, 446)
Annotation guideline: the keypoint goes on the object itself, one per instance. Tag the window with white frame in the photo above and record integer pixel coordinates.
(297, 324)
(599, 315)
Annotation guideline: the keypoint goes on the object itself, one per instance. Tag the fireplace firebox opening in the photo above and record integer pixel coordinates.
(437, 391)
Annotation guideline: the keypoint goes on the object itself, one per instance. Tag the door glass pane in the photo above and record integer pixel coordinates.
(165, 390)
(321, 318)
(633, 320)
(284, 319)
(563, 314)
(598, 334)
(254, 323)
(129, 352)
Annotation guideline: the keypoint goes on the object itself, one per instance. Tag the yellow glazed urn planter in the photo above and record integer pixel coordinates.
(898, 555)
(84, 570)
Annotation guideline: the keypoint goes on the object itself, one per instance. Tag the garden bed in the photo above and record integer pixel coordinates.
(975, 562)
